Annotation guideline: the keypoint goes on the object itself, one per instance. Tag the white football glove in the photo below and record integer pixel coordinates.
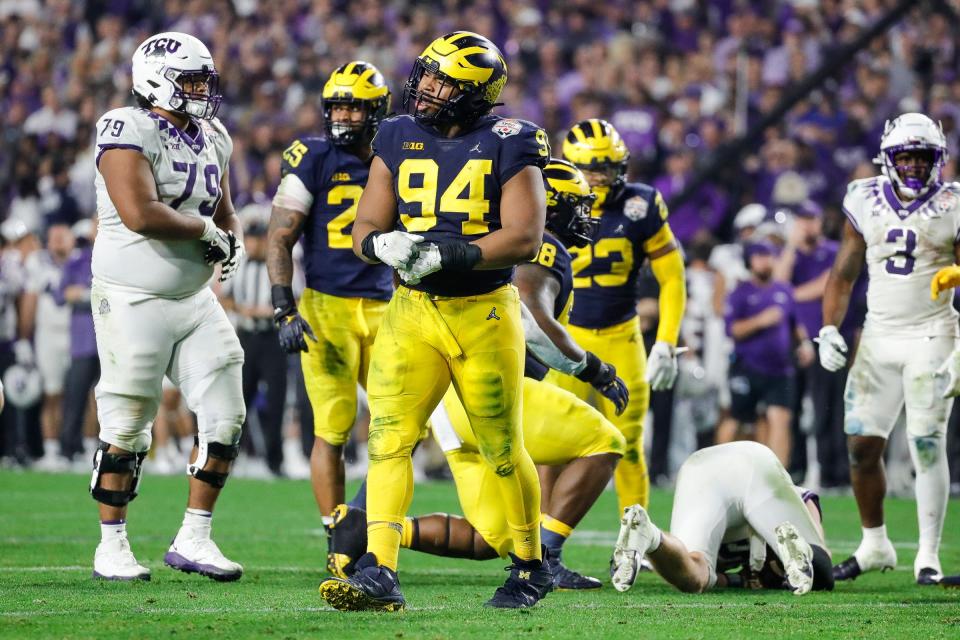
(228, 268)
(949, 375)
(23, 352)
(662, 366)
(397, 248)
(217, 241)
(833, 348)
(427, 262)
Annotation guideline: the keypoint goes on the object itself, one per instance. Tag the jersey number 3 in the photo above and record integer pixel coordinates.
(905, 243)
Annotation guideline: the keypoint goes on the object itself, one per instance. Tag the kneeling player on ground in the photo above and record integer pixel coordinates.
(558, 428)
(726, 494)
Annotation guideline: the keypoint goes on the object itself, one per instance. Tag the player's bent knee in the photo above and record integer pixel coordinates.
(126, 421)
(387, 439)
(211, 451)
(126, 464)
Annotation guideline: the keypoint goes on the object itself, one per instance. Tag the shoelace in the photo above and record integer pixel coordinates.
(206, 550)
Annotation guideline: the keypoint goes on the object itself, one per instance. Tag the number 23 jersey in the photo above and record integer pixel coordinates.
(448, 189)
(605, 272)
(187, 167)
(907, 243)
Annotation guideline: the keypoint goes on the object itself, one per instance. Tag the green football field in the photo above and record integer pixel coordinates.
(48, 531)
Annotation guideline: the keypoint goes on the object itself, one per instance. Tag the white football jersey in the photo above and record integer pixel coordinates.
(187, 171)
(906, 245)
(43, 276)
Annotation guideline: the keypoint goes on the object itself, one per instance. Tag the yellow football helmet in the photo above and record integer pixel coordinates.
(569, 201)
(466, 60)
(594, 145)
(356, 83)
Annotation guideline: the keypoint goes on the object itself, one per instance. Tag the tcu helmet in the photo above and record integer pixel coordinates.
(594, 145)
(356, 83)
(912, 132)
(163, 64)
(569, 201)
(466, 60)
(22, 385)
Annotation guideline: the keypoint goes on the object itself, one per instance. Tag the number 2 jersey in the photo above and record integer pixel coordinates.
(187, 167)
(335, 179)
(605, 272)
(448, 189)
(907, 243)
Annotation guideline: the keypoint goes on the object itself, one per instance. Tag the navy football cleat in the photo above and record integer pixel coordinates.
(529, 582)
(371, 588)
(346, 540)
(849, 569)
(928, 576)
(566, 579)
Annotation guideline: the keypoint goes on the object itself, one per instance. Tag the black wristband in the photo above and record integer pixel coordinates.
(366, 247)
(459, 256)
(283, 301)
(591, 370)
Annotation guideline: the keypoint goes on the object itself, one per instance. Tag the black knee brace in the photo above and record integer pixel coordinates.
(123, 463)
(207, 450)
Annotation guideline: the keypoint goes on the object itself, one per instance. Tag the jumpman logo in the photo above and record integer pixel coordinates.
(476, 148)
(493, 314)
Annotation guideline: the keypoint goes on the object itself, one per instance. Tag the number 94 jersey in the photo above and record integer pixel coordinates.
(187, 167)
(448, 189)
(907, 243)
(335, 179)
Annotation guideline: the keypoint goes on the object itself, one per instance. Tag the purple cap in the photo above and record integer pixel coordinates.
(762, 248)
(807, 209)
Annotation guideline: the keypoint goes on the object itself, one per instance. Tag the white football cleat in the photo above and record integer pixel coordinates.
(193, 553)
(796, 555)
(635, 537)
(114, 560)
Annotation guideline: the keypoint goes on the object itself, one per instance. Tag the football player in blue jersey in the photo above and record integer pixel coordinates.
(454, 200)
(559, 429)
(345, 299)
(633, 227)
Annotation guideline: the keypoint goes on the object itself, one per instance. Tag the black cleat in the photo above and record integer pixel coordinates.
(346, 540)
(928, 576)
(566, 579)
(529, 582)
(950, 582)
(371, 588)
(849, 569)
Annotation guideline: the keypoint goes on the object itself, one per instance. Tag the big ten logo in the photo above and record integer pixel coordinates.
(415, 146)
(160, 46)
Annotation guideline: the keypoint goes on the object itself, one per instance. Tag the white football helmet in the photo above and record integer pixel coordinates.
(164, 62)
(23, 386)
(912, 131)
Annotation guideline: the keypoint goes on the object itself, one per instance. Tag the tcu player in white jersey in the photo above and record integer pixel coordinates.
(165, 220)
(904, 225)
(733, 502)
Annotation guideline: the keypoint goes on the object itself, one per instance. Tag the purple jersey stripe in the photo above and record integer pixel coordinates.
(106, 147)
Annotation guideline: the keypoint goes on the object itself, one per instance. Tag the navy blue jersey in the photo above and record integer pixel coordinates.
(448, 189)
(605, 273)
(555, 258)
(336, 179)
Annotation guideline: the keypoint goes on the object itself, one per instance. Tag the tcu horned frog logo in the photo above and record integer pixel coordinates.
(160, 46)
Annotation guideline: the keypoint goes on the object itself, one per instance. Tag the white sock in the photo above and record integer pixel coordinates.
(197, 521)
(874, 536)
(326, 520)
(929, 457)
(113, 530)
(656, 540)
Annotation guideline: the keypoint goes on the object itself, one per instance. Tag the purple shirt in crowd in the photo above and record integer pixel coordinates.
(77, 271)
(768, 351)
(810, 266)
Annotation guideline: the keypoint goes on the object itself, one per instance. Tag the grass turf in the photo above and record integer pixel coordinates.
(48, 532)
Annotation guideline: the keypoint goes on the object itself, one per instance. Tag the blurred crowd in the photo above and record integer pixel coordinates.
(678, 78)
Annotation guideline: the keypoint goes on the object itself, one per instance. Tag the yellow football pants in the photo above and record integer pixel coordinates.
(345, 330)
(622, 346)
(424, 344)
(558, 427)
